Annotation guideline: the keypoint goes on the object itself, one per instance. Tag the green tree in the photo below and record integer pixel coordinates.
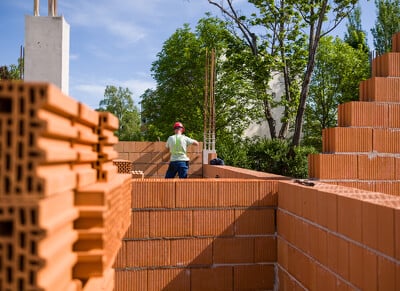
(355, 36)
(12, 72)
(180, 72)
(339, 69)
(119, 102)
(286, 33)
(386, 24)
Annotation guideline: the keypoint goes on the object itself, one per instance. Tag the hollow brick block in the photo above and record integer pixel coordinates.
(153, 194)
(131, 280)
(386, 65)
(218, 278)
(233, 250)
(254, 221)
(397, 233)
(196, 193)
(364, 114)
(369, 270)
(332, 166)
(56, 126)
(386, 274)
(237, 193)
(372, 167)
(370, 224)
(213, 222)
(380, 89)
(87, 116)
(147, 253)
(356, 263)
(386, 140)
(265, 249)
(327, 210)
(386, 233)
(346, 139)
(350, 217)
(191, 252)
(86, 134)
(171, 223)
(108, 121)
(254, 277)
(268, 193)
(168, 279)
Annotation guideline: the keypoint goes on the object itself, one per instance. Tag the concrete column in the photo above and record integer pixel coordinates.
(47, 50)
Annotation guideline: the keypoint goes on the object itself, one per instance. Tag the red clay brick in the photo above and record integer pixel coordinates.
(131, 280)
(302, 235)
(325, 280)
(343, 248)
(237, 193)
(386, 226)
(370, 271)
(213, 222)
(380, 89)
(233, 250)
(268, 193)
(153, 194)
(333, 247)
(386, 140)
(140, 225)
(370, 224)
(356, 263)
(254, 277)
(327, 210)
(282, 253)
(286, 226)
(265, 249)
(171, 223)
(349, 217)
(332, 166)
(190, 252)
(286, 194)
(196, 193)
(386, 65)
(219, 278)
(397, 233)
(386, 274)
(255, 221)
(394, 115)
(346, 139)
(363, 114)
(168, 279)
(147, 253)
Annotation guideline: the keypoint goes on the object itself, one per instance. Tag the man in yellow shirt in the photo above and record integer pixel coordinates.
(177, 145)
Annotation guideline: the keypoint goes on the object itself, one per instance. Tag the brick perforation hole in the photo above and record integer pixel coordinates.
(6, 228)
(6, 105)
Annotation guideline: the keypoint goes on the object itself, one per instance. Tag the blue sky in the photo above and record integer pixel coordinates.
(115, 42)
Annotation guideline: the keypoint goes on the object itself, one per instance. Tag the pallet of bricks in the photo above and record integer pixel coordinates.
(47, 156)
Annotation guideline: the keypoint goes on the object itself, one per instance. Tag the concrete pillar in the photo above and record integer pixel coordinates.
(47, 50)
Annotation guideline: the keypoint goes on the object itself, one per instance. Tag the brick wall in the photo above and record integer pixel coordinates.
(199, 234)
(337, 238)
(363, 151)
(63, 208)
(152, 158)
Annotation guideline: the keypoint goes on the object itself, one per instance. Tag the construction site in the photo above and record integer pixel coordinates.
(80, 210)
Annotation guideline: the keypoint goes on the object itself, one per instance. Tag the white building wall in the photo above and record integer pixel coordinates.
(47, 50)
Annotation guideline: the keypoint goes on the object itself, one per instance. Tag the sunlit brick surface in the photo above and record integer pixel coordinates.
(364, 149)
(63, 208)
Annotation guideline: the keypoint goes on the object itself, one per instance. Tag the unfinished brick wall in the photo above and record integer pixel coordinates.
(152, 158)
(63, 208)
(363, 151)
(199, 234)
(337, 238)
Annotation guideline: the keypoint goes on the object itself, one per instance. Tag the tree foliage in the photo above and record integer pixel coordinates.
(386, 24)
(339, 69)
(180, 72)
(11, 72)
(119, 102)
(355, 36)
(285, 34)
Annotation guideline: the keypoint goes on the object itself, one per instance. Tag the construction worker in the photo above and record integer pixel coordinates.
(177, 145)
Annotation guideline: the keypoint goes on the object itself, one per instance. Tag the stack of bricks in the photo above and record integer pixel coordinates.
(337, 238)
(199, 234)
(37, 188)
(363, 151)
(123, 166)
(152, 158)
(103, 206)
(61, 198)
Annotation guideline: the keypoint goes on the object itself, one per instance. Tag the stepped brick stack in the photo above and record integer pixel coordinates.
(152, 158)
(364, 150)
(53, 152)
